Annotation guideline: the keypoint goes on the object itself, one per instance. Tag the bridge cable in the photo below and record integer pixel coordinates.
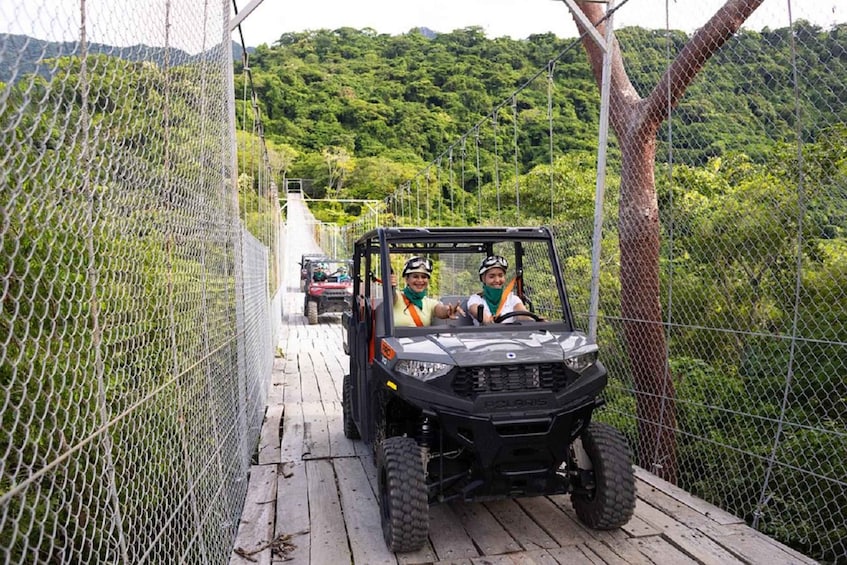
(496, 162)
(463, 193)
(517, 169)
(656, 461)
(478, 175)
(765, 498)
(550, 77)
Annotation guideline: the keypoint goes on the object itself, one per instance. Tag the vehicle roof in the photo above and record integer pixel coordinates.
(422, 238)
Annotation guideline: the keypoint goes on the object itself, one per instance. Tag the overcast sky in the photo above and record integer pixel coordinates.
(130, 22)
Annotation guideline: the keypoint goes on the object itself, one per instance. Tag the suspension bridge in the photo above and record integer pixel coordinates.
(312, 496)
(164, 400)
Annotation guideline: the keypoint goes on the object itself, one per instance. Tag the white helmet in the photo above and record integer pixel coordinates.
(492, 261)
(418, 265)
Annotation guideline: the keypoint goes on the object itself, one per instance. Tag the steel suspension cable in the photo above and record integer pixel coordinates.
(517, 168)
(657, 464)
(439, 193)
(550, 77)
(496, 164)
(764, 498)
(463, 193)
(478, 176)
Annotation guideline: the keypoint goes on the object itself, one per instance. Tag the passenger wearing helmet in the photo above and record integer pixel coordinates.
(412, 307)
(496, 297)
(343, 275)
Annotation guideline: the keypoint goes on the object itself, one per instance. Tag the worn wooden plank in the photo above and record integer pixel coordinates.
(701, 506)
(339, 446)
(534, 557)
(323, 379)
(327, 522)
(661, 551)
(621, 553)
(426, 554)
(276, 390)
(256, 527)
(291, 445)
(448, 536)
(555, 522)
(619, 541)
(575, 555)
(638, 527)
(361, 514)
(309, 389)
(292, 381)
(315, 431)
(755, 547)
(672, 507)
(702, 548)
(292, 512)
(519, 525)
(269, 438)
(619, 544)
(694, 543)
(487, 533)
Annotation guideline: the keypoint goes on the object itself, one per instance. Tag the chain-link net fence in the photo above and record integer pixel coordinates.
(136, 325)
(722, 268)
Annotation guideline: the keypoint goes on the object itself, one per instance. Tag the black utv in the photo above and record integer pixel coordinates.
(460, 410)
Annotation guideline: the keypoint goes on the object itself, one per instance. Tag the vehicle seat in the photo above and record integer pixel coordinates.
(379, 323)
(460, 320)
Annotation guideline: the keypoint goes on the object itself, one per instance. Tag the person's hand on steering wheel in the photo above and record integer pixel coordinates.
(514, 314)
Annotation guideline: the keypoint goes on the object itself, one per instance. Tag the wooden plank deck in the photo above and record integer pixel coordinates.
(312, 500)
(312, 497)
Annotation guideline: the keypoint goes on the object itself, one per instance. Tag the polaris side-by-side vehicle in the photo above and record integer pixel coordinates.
(305, 260)
(328, 287)
(462, 411)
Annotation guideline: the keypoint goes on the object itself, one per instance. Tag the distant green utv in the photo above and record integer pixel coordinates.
(461, 410)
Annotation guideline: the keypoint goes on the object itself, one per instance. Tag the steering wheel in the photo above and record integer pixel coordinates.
(515, 313)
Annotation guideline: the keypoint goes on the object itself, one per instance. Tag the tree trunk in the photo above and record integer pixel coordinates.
(641, 310)
(635, 123)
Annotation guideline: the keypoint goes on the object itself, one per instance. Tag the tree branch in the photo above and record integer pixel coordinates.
(682, 71)
(624, 96)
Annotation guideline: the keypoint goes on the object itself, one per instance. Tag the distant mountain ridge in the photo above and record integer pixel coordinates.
(21, 55)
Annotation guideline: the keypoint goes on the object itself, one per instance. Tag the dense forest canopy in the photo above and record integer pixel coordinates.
(403, 99)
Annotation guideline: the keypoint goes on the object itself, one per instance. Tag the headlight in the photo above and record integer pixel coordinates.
(579, 363)
(422, 370)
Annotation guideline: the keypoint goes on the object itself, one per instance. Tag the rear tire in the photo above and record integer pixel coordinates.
(403, 504)
(312, 312)
(610, 503)
(350, 429)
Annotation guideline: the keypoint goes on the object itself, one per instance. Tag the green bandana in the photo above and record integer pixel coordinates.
(415, 298)
(492, 297)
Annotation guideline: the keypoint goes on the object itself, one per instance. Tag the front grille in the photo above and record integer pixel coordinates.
(335, 293)
(468, 382)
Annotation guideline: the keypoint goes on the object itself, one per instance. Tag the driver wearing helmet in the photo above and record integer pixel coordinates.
(496, 297)
(320, 272)
(412, 307)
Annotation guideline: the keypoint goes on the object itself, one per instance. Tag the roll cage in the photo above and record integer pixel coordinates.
(458, 252)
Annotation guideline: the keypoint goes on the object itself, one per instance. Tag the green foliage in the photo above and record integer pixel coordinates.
(105, 292)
